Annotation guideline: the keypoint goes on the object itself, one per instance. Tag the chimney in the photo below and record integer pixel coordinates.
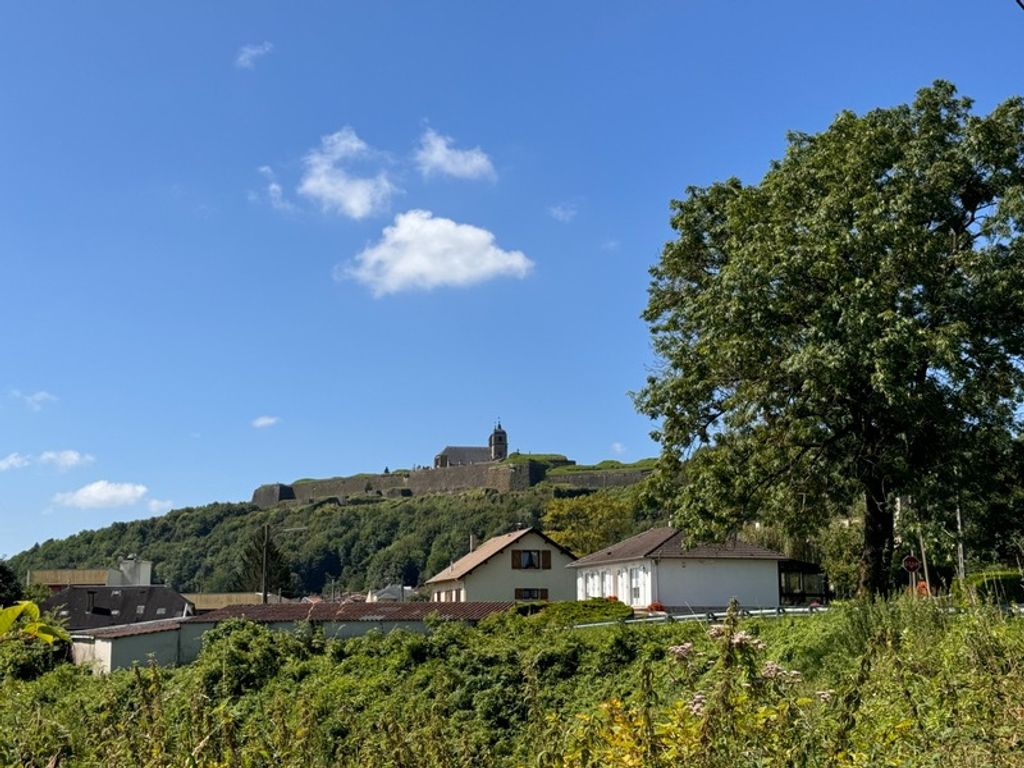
(472, 542)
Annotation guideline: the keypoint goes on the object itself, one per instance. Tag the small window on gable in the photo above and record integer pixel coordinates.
(115, 611)
(115, 592)
(139, 610)
(161, 611)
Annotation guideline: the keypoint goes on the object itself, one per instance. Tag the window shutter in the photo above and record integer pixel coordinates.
(543, 594)
(517, 559)
(545, 559)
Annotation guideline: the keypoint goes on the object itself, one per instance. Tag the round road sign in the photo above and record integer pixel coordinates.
(911, 564)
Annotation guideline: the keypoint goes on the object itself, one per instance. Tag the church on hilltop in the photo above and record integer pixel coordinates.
(459, 455)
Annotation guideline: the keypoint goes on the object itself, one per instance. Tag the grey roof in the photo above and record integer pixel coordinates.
(466, 454)
(116, 605)
(667, 543)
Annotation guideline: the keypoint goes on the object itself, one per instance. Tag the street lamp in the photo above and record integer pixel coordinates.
(266, 547)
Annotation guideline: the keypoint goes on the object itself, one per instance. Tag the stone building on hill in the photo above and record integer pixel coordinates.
(461, 455)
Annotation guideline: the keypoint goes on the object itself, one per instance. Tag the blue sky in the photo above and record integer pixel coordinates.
(250, 242)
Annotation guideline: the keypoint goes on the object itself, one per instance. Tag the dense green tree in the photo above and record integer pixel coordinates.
(585, 524)
(10, 586)
(851, 326)
(262, 566)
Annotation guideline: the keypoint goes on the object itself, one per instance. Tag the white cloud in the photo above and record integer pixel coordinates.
(610, 245)
(618, 448)
(275, 194)
(65, 459)
(248, 54)
(36, 400)
(564, 212)
(260, 422)
(102, 494)
(326, 182)
(436, 155)
(422, 252)
(156, 506)
(14, 461)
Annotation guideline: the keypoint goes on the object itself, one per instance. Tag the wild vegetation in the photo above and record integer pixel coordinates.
(907, 682)
(366, 543)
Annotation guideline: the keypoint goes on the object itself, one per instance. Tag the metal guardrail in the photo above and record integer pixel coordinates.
(711, 616)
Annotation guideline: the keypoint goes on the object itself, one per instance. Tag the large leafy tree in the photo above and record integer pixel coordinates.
(850, 327)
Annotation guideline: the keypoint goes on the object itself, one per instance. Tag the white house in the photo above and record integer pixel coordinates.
(655, 567)
(522, 565)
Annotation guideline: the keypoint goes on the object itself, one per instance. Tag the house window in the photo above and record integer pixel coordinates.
(531, 558)
(139, 610)
(161, 611)
(606, 584)
(634, 584)
(531, 594)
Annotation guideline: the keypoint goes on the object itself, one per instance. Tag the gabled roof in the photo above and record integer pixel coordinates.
(345, 612)
(466, 454)
(465, 565)
(109, 606)
(667, 543)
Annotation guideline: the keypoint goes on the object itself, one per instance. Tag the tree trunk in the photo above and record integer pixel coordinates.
(876, 557)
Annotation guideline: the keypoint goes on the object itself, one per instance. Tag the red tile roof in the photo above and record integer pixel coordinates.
(289, 612)
(667, 543)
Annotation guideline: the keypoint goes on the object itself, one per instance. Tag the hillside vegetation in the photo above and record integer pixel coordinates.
(900, 683)
(366, 543)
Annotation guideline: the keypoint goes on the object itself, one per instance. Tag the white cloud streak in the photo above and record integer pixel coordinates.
(437, 156)
(65, 459)
(420, 252)
(564, 212)
(157, 506)
(14, 461)
(618, 448)
(262, 422)
(248, 54)
(275, 194)
(36, 400)
(102, 494)
(335, 189)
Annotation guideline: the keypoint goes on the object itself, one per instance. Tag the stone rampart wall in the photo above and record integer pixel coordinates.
(500, 477)
(600, 478)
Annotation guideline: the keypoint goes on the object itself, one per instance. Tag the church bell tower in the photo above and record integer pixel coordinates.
(498, 443)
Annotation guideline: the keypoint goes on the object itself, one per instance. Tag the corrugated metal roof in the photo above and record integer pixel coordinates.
(130, 630)
(667, 543)
(288, 612)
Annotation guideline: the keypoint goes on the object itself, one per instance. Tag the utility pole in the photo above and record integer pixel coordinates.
(266, 548)
(263, 572)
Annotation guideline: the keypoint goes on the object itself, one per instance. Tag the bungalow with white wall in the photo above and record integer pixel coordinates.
(521, 565)
(656, 567)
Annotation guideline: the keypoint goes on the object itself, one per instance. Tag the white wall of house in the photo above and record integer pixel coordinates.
(680, 583)
(630, 582)
(497, 581)
(85, 651)
(713, 583)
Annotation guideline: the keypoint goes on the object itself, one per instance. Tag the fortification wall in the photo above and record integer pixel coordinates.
(600, 478)
(500, 477)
